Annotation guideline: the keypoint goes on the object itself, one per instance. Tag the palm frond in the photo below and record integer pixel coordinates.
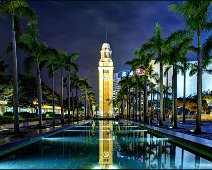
(207, 71)
(167, 70)
(193, 69)
(26, 12)
(206, 52)
(27, 63)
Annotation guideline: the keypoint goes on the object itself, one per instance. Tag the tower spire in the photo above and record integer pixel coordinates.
(106, 34)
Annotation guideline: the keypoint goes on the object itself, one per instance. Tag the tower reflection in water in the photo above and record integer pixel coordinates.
(106, 144)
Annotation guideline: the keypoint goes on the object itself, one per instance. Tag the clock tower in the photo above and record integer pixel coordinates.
(106, 82)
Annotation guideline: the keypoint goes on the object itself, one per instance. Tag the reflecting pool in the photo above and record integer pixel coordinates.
(103, 145)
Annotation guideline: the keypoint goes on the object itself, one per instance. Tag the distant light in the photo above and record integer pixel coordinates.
(131, 73)
(139, 71)
(124, 74)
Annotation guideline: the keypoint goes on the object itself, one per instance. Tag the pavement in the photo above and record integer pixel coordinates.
(189, 127)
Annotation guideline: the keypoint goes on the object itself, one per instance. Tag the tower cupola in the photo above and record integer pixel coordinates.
(105, 52)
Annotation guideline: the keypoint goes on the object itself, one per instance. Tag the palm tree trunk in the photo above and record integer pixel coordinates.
(139, 103)
(164, 106)
(15, 82)
(145, 100)
(73, 108)
(136, 103)
(152, 112)
(157, 105)
(85, 103)
(62, 111)
(122, 107)
(133, 103)
(175, 97)
(128, 96)
(69, 104)
(77, 101)
(53, 107)
(184, 93)
(199, 88)
(161, 95)
(39, 96)
(172, 116)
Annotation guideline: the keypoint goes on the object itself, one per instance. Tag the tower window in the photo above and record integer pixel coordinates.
(105, 71)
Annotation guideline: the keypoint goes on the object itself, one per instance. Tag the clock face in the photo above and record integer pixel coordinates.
(105, 77)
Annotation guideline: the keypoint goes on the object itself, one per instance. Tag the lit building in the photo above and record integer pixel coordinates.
(191, 81)
(106, 82)
(116, 78)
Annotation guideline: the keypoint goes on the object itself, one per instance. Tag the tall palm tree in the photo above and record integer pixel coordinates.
(195, 15)
(91, 101)
(143, 60)
(37, 54)
(85, 86)
(176, 47)
(15, 9)
(125, 84)
(52, 67)
(60, 65)
(69, 64)
(76, 80)
(185, 66)
(119, 101)
(155, 44)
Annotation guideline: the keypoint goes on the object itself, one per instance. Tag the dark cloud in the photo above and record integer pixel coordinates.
(77, 26)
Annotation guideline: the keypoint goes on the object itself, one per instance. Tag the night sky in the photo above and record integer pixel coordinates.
(77, 26)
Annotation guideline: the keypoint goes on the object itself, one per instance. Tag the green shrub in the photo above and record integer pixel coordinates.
(8, 114)
(28, 115)
(6, 119)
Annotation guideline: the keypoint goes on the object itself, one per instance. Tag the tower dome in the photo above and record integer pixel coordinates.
(106, 51)
(105, 46)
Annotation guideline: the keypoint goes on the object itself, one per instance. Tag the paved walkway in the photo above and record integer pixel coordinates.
(189, 126)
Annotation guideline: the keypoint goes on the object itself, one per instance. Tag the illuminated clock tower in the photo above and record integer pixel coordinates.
(106, 82)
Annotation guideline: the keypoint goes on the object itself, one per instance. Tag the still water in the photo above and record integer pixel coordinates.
(103, 145)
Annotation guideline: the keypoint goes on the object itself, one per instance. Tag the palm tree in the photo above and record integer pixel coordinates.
(70, 63)
(85, 85)
(38, 53)
(155, 44)
(142, 61)
(75, 79)
(60, 65)
(15, 9)
(176, 47)
(119, 101)
(195, 15)
(183, 69)
(52, 65)
(125, 88)
(91, 101)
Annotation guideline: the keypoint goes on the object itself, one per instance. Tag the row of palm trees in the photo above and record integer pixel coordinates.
(170, 52)
(40, 55)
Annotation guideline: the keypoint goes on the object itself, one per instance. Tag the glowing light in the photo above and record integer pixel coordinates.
(139, 71)
(131, 73)
(105, 167)
(75, 130)
(128, 131)
(124, 74)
